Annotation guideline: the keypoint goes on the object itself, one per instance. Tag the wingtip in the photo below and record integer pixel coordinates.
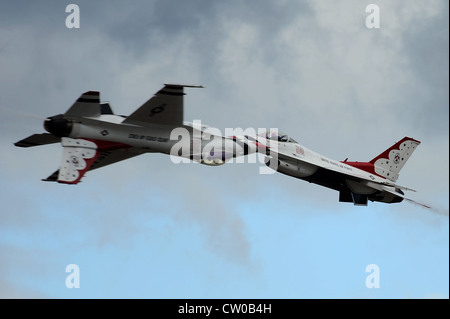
(177, 85)
(406, 138)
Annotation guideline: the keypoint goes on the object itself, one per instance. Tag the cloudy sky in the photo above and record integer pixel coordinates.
(148, 228)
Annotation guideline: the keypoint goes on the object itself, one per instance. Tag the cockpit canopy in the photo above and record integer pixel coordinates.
(277, 136)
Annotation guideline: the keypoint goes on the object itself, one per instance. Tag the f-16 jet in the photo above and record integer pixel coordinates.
(92, 136)
(356, 182)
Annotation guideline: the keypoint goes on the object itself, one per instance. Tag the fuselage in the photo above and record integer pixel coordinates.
(291, 158)
(312, 161)
(200, 143)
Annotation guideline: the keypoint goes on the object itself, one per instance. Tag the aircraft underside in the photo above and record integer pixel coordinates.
(339, 183)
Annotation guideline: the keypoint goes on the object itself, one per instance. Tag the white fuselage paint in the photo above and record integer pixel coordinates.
(202, 146)
(312, 160)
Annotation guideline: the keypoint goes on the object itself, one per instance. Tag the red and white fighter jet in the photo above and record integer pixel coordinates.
(356, 182)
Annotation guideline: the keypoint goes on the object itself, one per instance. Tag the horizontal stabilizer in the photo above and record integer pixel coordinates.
(38, 139)
(396, 192)
(87, 105)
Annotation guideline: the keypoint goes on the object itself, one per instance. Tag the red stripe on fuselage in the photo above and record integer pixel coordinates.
(107, 145)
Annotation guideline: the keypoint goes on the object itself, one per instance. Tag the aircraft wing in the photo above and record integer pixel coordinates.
(38, 139)
(165, 107)
(383, 188)
(80, 156)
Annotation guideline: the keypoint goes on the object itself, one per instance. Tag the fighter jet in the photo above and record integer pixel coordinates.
(356, 182)
(92, 136)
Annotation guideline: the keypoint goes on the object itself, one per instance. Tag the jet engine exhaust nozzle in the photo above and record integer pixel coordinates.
(58, 126)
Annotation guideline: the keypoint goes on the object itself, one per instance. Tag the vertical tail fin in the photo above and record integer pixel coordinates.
(391, 161)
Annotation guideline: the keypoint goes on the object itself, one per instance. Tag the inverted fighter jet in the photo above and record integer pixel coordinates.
(92, 136)
(356, 182)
